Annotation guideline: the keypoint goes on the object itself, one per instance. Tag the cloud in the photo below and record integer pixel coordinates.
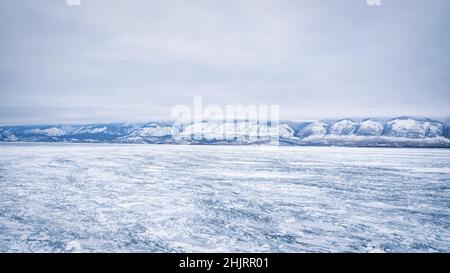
(133, 60)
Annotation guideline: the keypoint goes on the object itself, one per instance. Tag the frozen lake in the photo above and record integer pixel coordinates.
(164, 198)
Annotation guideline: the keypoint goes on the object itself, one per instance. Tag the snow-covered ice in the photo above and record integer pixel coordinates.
(168, 198)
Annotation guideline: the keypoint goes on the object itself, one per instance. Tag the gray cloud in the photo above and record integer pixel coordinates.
(112, 60)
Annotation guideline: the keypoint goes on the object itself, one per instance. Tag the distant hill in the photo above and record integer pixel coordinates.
(397, 132)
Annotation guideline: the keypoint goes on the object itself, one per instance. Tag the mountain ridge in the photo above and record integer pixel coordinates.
(368, 132)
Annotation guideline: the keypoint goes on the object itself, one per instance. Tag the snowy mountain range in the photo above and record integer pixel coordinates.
(397, 132)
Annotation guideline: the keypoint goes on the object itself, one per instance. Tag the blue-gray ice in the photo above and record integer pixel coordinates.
(167, 198)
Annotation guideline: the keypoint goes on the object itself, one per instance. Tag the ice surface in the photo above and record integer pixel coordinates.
(168, 198)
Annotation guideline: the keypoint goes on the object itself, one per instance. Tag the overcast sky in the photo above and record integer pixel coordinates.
(133, 60)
